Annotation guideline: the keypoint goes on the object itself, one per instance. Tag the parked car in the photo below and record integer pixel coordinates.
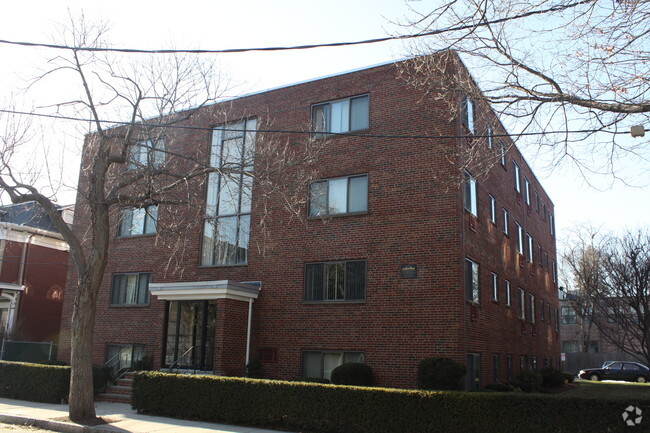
(618, 370)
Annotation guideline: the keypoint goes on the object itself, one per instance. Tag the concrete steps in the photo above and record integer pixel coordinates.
(120, 391)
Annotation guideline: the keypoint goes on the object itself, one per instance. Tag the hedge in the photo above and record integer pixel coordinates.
(42, 383)
(310, 407)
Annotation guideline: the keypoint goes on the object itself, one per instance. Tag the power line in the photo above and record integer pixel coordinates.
(471, 26)
(308, 132)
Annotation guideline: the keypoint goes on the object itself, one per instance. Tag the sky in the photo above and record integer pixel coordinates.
(221, 24)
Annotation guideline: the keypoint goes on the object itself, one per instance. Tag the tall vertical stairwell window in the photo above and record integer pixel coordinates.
(228, 208)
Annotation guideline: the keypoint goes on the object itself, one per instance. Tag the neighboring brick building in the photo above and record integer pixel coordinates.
(33, 265)
(410, 264)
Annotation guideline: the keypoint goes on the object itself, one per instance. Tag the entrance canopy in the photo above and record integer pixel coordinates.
(205, 290)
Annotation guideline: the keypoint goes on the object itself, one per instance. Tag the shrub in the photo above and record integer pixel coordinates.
(34, 382)
(440, 373)
(101, 377)
(313, 380)
(352, 373)
(254, 369)
(569, 377)
(316, 408)
(551, 377)
(51, 362)
(500, 387)
(527, 381)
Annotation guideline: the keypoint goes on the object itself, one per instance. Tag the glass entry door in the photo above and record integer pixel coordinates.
(190, 335)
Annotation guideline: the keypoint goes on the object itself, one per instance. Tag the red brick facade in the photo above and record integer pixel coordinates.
(415, 216)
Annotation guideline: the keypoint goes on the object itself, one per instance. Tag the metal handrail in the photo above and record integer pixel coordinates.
(115, 360)
(171, 366)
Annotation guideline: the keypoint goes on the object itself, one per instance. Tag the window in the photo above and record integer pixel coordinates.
(228, 209)
(146, 154)
(539, 254)
(520, 239)
(548, 313)
(531, 308)
(592, 347)
(130, 289)
(495, 368)
(495, 287)
(523, 363)
(119, 356)
(505, 221)
(467, 114)
(516, 175)
(322, 363)
(502, 153)
(522, 303)
(493, 209)
(569, 316)
(551, 224)
(488, 133)
(553, 271)
(543, 211)
(557, 322)
(529, 243)
(509, 367)
(533, 363)
(546, 259)
(542, 310)
(338, 196)
(469, 194)
(537, 201)
(473, 368)
(344, 115)
(138, 221)
(471, 281)
(335, 281)
(526, 190)
(507, 284)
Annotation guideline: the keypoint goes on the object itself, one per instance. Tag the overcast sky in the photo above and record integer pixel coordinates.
(258, 23)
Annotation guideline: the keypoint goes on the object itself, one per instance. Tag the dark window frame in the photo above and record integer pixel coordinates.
(318, 279)
(119, 293)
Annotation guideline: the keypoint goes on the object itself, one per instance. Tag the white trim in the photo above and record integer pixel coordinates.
(44, 238)
(204, 290)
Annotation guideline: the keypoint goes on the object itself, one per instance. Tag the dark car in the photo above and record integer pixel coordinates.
(618, 370)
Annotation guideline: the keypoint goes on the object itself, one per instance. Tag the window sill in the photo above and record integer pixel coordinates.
(148, 304)
(325, 135)
(341, 302)
(336, 215)
(236, 265)
(144, 235)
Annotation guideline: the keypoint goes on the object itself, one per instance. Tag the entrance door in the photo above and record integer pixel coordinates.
(190, 335)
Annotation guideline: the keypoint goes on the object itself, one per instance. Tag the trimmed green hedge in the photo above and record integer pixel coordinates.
(300, 406)
(34, 382)
(43, 383)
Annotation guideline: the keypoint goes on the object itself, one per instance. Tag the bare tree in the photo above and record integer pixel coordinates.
(612, 276)
(134, 167)
(579, 68)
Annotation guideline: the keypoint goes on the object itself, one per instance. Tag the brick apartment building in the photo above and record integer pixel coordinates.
(399, 255)
(33, 265)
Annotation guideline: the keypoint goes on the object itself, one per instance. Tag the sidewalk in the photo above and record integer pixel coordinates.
(122, 417)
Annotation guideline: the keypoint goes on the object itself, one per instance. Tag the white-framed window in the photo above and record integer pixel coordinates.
(554, 271)
(467, 114)
(517, 178)
(551, 224)
(529, 249)
(320, 364)
(531, 308)
(502, 153)
(508, 296)
(146, 153)
(495, 287)
(228, 209)
(470, 200)
(343, 115)
(335, 281)
(493, 209)
(130, 289)
(488, 133)
(471, 281)
(521, 297)
(520, 239)
(527, 190)
(505, 221)
(138, 221)
(342, 195)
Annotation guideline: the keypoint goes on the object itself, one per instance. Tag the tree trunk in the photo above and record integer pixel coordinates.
(81, 398)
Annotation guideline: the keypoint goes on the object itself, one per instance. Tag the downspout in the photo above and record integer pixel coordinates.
(248, 330)
(14, 306)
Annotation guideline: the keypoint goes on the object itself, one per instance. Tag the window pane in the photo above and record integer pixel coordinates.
(318, 198)
(131, 289)
(246, 194)
(125, 224)
(137, 221)
(228, 195)
(338, 195)
(151, 221)
(353, 357)
(226, 237)
(355, 276)
(117, 295)
(330, 362)
(242, 241)
(340, 121)
(208, 242)
(358, 196)
(359, 114)
(311, 364)
(319, 118)
(314, 282)
(335, 281)
(143, 289)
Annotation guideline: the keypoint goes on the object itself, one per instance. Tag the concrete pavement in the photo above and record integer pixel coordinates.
(122, 419)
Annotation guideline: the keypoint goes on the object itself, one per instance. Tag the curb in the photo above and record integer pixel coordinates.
(59, 426)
